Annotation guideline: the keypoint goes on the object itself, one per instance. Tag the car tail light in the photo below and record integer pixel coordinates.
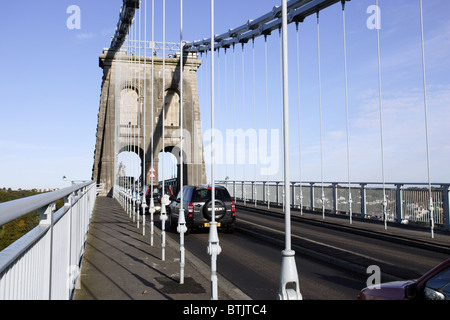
(191, 208)
(233, 209)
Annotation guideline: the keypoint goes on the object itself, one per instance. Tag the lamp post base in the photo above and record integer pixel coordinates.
(289, 286)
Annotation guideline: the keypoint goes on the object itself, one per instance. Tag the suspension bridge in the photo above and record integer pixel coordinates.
(151, 131)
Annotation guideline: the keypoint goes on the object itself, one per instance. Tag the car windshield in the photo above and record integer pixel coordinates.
(157, 191)
(204, 194)
(441, 283)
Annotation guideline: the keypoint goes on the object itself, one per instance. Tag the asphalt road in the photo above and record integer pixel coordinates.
(251, 257)
(376, 250)
(254, 267)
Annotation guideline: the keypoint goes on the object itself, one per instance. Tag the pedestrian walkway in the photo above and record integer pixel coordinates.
(120, 264)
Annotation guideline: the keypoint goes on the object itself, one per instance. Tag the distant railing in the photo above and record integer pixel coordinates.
(45, 263)
(407, 203)
(100, 188)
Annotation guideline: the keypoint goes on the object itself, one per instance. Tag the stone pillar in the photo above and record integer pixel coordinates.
(122, 109)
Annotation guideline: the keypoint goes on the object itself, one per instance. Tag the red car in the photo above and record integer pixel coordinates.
(433, 285)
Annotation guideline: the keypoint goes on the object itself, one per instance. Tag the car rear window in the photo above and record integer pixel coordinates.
(204, 194)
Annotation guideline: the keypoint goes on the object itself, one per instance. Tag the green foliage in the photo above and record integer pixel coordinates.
(9, 195)
(17, 228)
(12, 231)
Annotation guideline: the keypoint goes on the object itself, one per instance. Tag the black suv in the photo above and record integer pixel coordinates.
(198, 208)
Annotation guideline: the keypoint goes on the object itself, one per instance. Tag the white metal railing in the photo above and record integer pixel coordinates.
(406, 202)
(100, 187)
(45, 263)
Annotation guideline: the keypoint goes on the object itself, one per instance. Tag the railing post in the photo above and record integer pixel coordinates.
(256, 195)
(446, 204)
(363, 200)
(46, 219)
(301, 199)
(311, 194)
(399, 202)
(253, 192)
(292, 194)
(72, 277)
(335, 201)
(278, 194)
(264, 192)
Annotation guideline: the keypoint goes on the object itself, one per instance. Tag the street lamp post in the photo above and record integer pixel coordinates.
(181, 218)
(213, 239)
(289, 286)
(163, 216)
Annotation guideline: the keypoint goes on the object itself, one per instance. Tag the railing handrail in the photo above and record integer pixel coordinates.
(45, 263)
(12, 210)
(335, 182)
(399, 207)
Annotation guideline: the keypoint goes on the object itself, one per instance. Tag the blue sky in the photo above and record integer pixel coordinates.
(50, 88)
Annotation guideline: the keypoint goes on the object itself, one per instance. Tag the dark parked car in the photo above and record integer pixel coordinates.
(157, 194)
(433, 285)
(198, 208)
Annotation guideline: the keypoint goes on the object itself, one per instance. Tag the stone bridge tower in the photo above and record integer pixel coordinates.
(127, 84)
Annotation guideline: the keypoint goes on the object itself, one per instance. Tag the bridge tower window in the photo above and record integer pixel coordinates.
(129, 108)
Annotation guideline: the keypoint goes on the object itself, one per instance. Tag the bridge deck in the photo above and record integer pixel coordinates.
(120, 264)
